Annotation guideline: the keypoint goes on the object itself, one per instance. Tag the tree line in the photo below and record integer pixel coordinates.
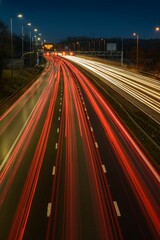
(5, 46)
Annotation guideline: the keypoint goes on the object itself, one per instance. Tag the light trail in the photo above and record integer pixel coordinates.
(141, 88)
(79, 176)
(22, 140)
(73, 118)
(136, 175)
(22, 213)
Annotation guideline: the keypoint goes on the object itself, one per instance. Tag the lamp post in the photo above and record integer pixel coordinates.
(104, 46)
(11, 28)
(122, 53)
(78, 46)
(135, 34)
(89, 45)
(30, 41)
(22, 40)
(99, 47)
(11, 50)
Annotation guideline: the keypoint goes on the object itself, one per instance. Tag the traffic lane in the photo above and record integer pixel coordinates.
(16, 179)
(143, 103)
(21, 216)
(144, 194)
(113, 76)
(149, 86)
(18, 115)
(23, 138)
(131, 218)
(103, 110)
(38, 217)
(148, 204)
(69, 220)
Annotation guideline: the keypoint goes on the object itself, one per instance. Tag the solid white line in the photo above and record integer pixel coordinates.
(96, 144)
(53, 171)
(49, 209)
(56, 146)
(117, 208)
(17, 138)
(104, 168)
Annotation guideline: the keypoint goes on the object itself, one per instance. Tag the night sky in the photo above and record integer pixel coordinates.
(57, 20)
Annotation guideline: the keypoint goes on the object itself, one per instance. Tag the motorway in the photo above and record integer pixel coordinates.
(142, 91)
(69, 168)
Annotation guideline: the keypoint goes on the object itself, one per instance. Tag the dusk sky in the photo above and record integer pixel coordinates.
(57, 20)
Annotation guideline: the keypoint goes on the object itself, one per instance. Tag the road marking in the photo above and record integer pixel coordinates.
(17, 138)
(57, 130)
(85, 109)
(60, 103)
(49, 209)
(60, 110)
(104, 168)
(87, 117)
(56, 146)
(117, 208)
(59, 118)
(91, 129)
(61, 98)
(96, 144)
(53, 171)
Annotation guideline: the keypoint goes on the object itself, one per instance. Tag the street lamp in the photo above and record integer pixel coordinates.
(122, 53)
(22, 40)
(136, 35)
(30, 40)
(11, 28)
(157, 29)
(104, 42)
(79, 46)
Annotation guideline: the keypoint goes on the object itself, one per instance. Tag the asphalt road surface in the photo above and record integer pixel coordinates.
(69, 168)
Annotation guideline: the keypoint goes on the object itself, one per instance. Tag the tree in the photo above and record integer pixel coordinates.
(4, 45)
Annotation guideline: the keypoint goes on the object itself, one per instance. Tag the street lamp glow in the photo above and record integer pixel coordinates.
(36, 30)
(157, 29)
(20, 16)
(29, 24)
